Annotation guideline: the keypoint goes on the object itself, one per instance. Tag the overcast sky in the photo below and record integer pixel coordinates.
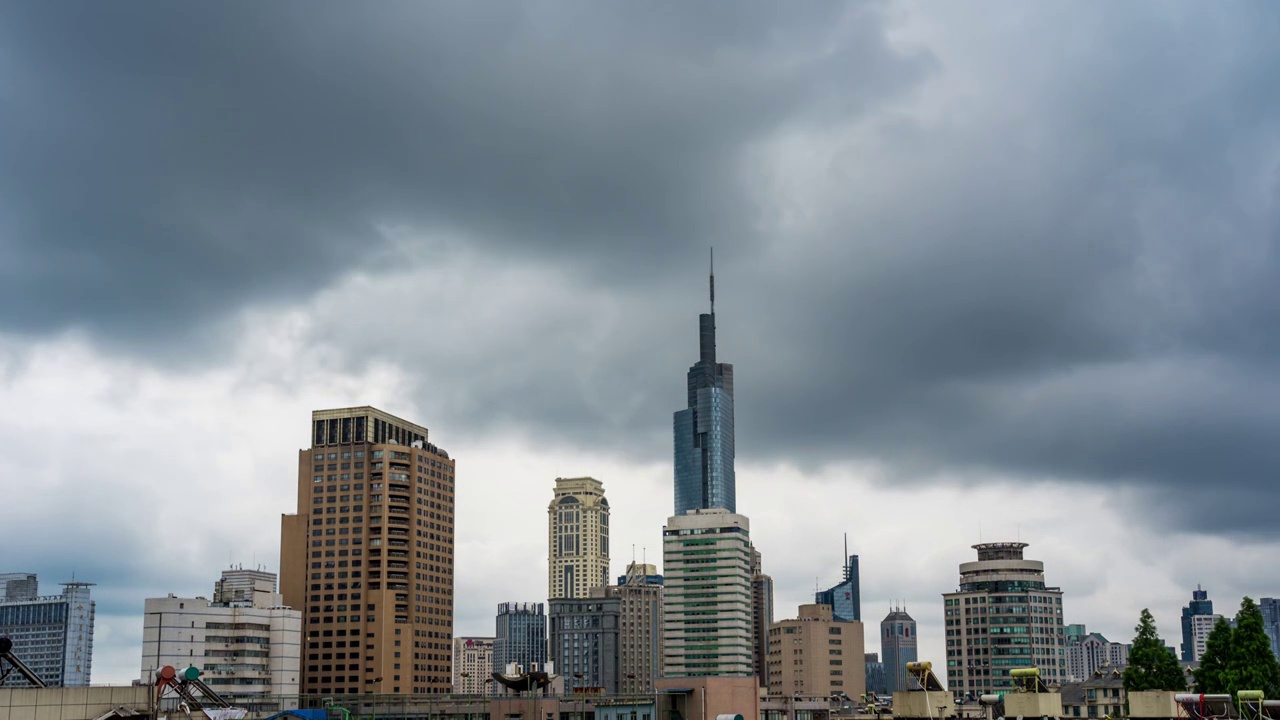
(991, 271)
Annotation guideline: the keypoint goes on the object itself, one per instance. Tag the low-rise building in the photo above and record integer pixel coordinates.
(1100, 695)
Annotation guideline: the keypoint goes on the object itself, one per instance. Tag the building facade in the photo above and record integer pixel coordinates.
(246, 641)
(761, 617)
(1094, 652)
(584, 639)
(816, 656)
(577, 538)
(875, 675)
(898, 645)
(845, 598)
(1270, 608)
(703, 431)
(640, 596)
(1003, 616)
(1201, 626)
(707, 619)
(368, 556)
(18, 586)
(1200, 605)
(52, 635)
(520, 636)
(473, 666)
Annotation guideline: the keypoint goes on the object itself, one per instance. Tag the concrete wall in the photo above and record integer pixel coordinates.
(83, 703)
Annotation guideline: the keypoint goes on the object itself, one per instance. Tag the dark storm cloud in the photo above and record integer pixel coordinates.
(1064, 269)
(167, 164)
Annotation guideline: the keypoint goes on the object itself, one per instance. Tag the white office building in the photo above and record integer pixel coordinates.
(51, 635)
(707, 618)
(246, 641)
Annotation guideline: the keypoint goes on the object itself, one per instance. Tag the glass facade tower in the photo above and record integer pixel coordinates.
(704, 430)
(1200, 605)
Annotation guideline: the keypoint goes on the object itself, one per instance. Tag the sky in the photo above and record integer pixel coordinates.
(985, 272)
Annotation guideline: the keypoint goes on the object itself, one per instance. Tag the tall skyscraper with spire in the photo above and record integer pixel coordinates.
(704, 430)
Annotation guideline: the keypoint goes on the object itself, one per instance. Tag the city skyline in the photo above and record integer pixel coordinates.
(993, 267)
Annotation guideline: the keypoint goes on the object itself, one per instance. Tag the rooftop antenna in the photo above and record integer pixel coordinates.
(713, 281)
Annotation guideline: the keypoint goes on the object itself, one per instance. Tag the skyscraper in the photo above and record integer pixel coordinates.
(845, 598)
(52, 635)
(1002, 617)
(577, 538)
(898, 646)
(761, 617)
(520, 637)
(1270, 608)
(368, 557)
(706, 555)
(704, 430)
(1200, 605)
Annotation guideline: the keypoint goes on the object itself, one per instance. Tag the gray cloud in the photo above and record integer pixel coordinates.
(168, 165)
(1042, 247)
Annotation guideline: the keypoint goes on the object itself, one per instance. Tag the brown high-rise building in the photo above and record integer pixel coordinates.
(368, 557)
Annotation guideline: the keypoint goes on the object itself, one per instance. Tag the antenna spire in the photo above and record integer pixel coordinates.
(713, 281)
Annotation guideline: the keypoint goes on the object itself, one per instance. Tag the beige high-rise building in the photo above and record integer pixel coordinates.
(707, 619)
(640, 635)
(368, 557)
(1002, 617)
(577, 538)
(473, 666)
(817, 656)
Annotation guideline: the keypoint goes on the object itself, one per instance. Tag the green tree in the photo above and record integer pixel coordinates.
(1251, 665)
(1152, 666)
(1211, 675)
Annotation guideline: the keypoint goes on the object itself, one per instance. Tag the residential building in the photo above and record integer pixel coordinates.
(1094, 652)
(703, 431)
(845, 598)
(368, 556)
(1101, 695)
(707, 623)
(1201, 626)
(473, 666)
(577, 538)
(584, 642)
(640, 596)
(1003, 616)
(1200, 605)
(1270, 608)
(898, 645)
(876, 682)
(520, 637)
(816, 655)
(761, 617)
(52, 635)
(18, 586)
(246, 641)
